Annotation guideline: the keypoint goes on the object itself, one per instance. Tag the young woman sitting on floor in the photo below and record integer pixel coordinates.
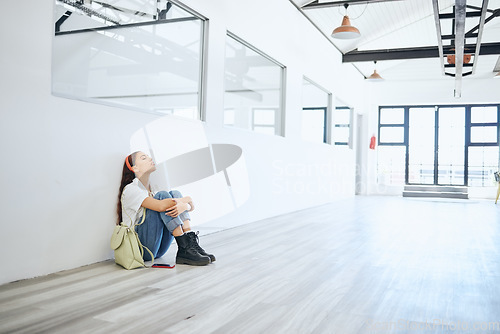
(166, 213)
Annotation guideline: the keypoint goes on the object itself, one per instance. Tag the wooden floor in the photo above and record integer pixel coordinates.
(362, 265)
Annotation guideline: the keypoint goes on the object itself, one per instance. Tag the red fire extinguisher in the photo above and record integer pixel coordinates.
(372, 142)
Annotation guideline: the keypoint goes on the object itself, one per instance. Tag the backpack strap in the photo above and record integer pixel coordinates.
(140, 244)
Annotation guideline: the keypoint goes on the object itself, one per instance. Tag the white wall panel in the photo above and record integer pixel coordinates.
(62, 158)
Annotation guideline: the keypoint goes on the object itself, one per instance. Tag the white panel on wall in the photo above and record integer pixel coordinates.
(77, 149)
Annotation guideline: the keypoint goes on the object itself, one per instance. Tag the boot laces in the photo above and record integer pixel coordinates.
(197, 243)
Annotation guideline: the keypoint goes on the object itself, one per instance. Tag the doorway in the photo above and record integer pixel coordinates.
(436, 146)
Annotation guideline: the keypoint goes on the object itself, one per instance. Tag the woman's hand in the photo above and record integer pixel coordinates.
(179, 207)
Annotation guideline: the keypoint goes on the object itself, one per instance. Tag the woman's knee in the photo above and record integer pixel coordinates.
(176, 194)
(162, 195)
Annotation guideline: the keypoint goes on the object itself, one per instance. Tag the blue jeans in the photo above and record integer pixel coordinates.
(156, 231)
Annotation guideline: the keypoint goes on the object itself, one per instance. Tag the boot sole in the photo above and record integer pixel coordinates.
(191, 262)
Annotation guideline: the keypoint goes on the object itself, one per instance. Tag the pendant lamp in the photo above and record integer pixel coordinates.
(497, 76)
(375, 76)
(346, 30)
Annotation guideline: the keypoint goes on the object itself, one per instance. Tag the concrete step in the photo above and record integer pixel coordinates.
(440, 194)
(437, 189)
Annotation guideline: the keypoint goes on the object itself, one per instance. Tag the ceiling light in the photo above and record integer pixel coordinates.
(346, 30)
(451, 59)
(375, 76)
(497, 76)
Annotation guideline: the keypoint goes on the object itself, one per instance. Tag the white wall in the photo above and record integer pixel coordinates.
(474, 91)
(62, 158)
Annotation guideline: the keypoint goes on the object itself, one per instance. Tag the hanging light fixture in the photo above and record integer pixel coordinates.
(497, 76)
(346, 30)
(375, 76)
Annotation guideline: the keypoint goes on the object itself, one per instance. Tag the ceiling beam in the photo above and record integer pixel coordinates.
(497, 66)
(88, 11)
(316, 4)
(437, 21)
(479, 8)
(460, 15)
(415, 53)
(467, 35)
(480, 33)
(495, 13)
(452, 16)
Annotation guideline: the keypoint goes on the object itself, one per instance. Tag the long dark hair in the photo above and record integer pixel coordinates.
(127, 177)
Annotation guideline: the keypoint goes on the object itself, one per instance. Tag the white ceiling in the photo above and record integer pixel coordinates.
(403, 24)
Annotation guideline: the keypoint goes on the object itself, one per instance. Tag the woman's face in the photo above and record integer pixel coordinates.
(143, 164)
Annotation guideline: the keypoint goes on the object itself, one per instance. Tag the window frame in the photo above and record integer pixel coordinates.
(325, 120)
(327, 128)
(281, 108)
(336, 125)
(467, 129)
(202, 86)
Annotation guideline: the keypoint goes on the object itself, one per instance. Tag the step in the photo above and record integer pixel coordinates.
(435, 194)
(437, 189)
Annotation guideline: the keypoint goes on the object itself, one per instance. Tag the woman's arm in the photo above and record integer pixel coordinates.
(186, 199)
(172, 206)
(160, 205)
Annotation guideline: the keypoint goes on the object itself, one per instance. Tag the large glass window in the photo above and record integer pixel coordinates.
(315, 102)
(441, 145)
(253, 88)
(146, 56)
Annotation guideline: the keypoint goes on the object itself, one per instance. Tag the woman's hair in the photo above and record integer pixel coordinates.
(127, 177)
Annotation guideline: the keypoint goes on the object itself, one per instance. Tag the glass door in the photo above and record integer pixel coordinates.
(421, 145)
(436, 146)
(451, 146)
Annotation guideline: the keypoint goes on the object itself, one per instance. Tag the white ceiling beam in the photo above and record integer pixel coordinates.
(316, 4)
(460, 15)
(480, 34)
(438, 33)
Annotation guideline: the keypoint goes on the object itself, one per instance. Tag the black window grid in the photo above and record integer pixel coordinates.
(468, 126)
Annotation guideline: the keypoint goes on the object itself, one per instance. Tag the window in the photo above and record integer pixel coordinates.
(483, 134)
(391, 149)
(264, 120)
(391, 165)
(439, 145)
(253, 88)
(145, 56)
(391, 126)
(342, 126)
(483, 162)
(315, 102)
(229, 117)
(483, 154)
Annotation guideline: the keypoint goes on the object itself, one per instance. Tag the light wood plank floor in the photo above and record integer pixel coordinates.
(361, 265)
